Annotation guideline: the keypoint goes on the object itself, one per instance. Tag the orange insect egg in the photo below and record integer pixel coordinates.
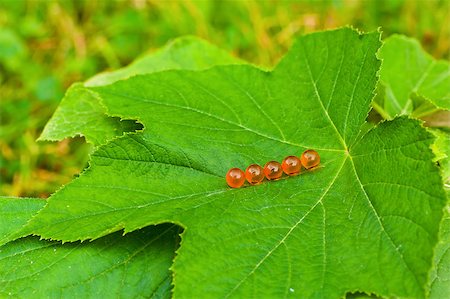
(235, 178)
(273, 170)
(310, 159)
(254, 174)
(291, 165)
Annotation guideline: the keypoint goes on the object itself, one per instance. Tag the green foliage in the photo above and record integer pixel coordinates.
(361, 222)
(12, 49)
(340, 240)
(414, 82)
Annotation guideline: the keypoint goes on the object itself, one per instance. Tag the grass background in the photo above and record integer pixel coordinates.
(47, 45)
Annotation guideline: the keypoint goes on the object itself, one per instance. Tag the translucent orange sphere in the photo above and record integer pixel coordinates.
(273, 170)
(235, 178)
(310, 159)
(254, 174)
(291, 165)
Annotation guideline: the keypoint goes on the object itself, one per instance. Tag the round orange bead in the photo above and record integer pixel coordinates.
(291, 165)
(254, 174)
(235, 178)
(310, 159)
(273, 170)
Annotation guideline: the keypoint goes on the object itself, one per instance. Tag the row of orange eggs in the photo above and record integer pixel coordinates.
(273, 170)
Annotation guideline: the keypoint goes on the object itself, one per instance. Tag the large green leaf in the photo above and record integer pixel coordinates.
(81, 113)
(108, 267)
(407, 72)
(366, 220)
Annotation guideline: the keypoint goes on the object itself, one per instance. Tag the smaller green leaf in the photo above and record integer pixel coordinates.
(440, 276)
(81, 112)
(108, 267)
(441, 150)
(407, 70)
(188, 53)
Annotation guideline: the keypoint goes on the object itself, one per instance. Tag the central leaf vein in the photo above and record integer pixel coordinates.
(319, 98)
(319, 201)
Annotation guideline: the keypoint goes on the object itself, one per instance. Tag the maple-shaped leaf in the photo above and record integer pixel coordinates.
(366, 220)
(414, 82)
(107, 267)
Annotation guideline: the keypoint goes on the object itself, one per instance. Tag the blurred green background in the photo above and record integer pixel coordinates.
(45, 46)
